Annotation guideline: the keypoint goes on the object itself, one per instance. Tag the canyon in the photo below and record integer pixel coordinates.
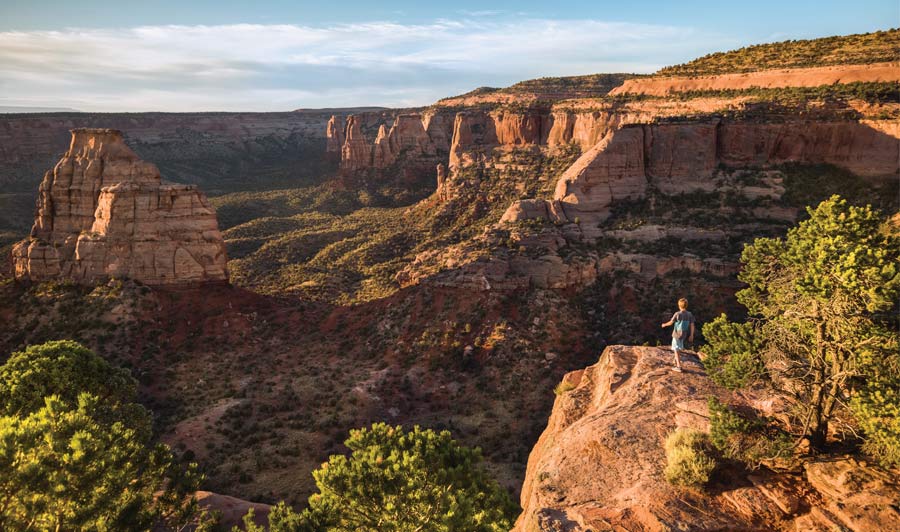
(448, 266)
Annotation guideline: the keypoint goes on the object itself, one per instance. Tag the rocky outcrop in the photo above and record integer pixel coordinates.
(679, 158)
(103, 213)
(474, 136)
(583, 128)
(439, 127)
(476, 133)
(538, 263)
(469, 136)
(869, 148)
(410, 143)
(599, 463)
(612, 170)
(855, 496)
(792, 77)
(334, 138)
(381, 150)
(356, 153)
(443, 192)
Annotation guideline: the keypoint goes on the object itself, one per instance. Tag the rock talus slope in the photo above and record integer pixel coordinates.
(103, 213)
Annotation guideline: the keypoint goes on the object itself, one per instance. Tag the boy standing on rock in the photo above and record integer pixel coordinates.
(684, 326)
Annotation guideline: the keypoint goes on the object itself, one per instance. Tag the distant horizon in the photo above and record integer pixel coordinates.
(201, 58)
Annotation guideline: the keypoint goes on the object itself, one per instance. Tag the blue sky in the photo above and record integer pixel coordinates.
(280, 55)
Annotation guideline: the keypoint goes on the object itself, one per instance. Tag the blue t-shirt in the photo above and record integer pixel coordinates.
(685, 316)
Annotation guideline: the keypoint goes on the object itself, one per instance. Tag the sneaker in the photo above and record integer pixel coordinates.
(675, 368)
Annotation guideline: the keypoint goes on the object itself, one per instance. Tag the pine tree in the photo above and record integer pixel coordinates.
(823, 309)
(76, 450)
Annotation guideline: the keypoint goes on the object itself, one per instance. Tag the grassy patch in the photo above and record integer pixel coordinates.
(689, 459)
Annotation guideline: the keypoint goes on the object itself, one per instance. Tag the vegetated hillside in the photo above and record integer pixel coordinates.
(869, 92)
(260, 390)
(347, 246)
(875, 47)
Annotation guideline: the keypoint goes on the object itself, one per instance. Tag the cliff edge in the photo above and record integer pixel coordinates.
(599, 463)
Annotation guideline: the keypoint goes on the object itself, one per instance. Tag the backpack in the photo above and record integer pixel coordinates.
(682, 327)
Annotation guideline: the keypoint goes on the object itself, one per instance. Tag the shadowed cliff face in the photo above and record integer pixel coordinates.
(599, 463)
(104, 213)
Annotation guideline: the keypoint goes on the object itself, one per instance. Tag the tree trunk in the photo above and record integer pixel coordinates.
(818, 427)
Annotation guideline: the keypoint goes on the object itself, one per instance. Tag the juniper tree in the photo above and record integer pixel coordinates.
(76, 450)
(822, 303)
(400, 481)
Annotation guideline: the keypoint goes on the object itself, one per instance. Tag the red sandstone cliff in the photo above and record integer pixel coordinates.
(791, 77)
(684, 157)
(104, 213)
(410, 143)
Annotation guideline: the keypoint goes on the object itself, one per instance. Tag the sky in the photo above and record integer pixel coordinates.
(279, 55)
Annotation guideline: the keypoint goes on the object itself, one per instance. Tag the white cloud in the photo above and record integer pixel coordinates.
(279, 67)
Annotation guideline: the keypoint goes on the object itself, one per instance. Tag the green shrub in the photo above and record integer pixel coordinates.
(689, 459)
(823, 302)
(877, 405)
(76, 451)
(751, 441)
(401, 480)
(732, 354)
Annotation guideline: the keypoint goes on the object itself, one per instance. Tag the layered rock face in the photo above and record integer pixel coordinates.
(356, 153)
(468, 136)
(680, 158)
(413, 142)
(599, 464)
(103, 213)
(791, 77)
(476, 133)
